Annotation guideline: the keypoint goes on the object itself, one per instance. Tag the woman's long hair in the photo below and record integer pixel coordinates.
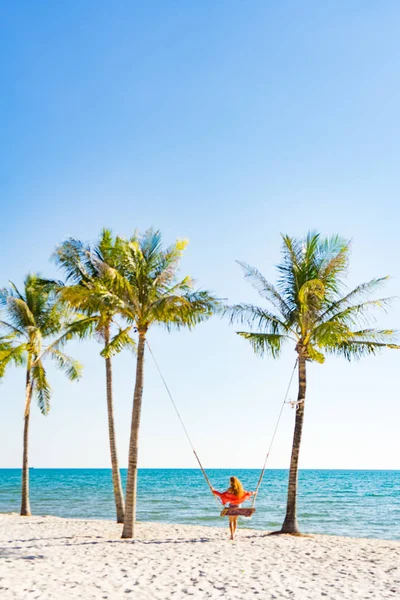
(236, 487)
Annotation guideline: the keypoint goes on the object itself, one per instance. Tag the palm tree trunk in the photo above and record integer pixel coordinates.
(25, 504)
(116, 475)
(290, 524)
(131, 484)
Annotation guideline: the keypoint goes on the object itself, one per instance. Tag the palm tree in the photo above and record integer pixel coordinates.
(147, 287)
(84, 268)
(30, 318)
(312, 309)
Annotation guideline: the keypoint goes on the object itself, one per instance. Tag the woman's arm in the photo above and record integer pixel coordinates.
(221, 496)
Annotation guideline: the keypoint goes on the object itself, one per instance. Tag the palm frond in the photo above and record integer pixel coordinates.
(265, 289)
(354, 349)
(151, 246)
(70, 256)
(361, 290)
(39, 295)
(314, 354)
(359, 312)
(11, 328)
(334, 260)
(119, 342)
(294, 270)
(115, 289)
(14, 291)
(254, 316)
(41, 387)
(54, 318)
(384, 336)
(329, 334)
(186, 310)
(89, 299)
(81, 327)
(310, 251)
(72, 368)
(184, 286)
(264, 343)
(104, 248)
(10, 354)
(167, 264)
(20, 313)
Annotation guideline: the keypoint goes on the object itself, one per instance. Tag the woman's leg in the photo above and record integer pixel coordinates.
(235, 521)
(231, 527)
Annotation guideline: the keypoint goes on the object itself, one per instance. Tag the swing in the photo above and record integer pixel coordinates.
(236, 511)
(230, 511)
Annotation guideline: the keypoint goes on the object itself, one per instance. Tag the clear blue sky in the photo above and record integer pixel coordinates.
(227, 123)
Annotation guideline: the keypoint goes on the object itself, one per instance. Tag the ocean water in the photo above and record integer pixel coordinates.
(351, 503)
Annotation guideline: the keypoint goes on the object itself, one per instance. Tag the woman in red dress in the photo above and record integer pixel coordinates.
(234, 495)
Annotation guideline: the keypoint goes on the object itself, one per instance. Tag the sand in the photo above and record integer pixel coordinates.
(54, 558)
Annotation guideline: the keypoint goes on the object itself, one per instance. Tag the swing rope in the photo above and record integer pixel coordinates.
(182, 423)
(273, 436)
(191, 443)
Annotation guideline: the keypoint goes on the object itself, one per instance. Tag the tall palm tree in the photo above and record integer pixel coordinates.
(149, 291)
(31, 317)
(311, 308)
(84, 267)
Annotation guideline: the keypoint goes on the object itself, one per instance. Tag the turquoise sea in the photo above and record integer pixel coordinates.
(352, 503)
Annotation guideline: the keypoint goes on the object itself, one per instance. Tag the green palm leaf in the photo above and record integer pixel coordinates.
(264, 288)
(355, 349)
(72, 368)
(41, 388)
(10, 354)
(120, 341)
(264, 343)
(255, 316)
(361, 290)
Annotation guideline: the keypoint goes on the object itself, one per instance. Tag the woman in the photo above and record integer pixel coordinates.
(234, 495)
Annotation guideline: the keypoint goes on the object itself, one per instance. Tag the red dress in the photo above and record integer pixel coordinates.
(227, 496)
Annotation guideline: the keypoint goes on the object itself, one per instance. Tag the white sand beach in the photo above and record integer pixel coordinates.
(54, 558)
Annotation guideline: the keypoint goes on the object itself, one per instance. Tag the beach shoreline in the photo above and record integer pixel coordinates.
(53, 558)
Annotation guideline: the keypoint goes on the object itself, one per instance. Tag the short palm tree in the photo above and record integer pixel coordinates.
(32, 317)
(84, 267)
(149, 291)
(311, 308)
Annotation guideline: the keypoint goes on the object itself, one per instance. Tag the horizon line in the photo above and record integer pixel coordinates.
(197, 469)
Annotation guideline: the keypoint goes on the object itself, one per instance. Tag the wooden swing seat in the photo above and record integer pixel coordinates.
(235, 511)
